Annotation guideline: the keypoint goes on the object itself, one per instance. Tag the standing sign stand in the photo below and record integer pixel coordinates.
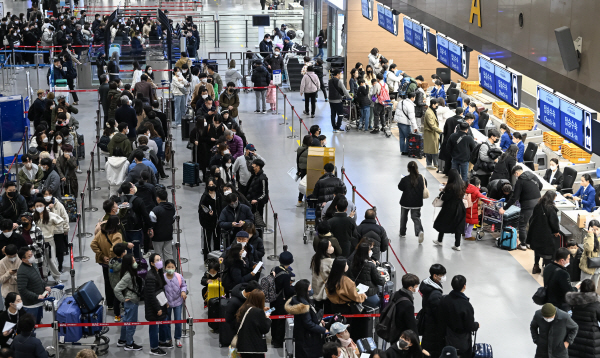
(277, 77)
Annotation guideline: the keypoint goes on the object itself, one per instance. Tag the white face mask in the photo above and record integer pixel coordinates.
(226, 151)
(276, 54)
(19, 306)
(567, 264)
(243, 254)
(39, 209)
(370, 253)
(204, 96)
(32, 260)
(127, 131)
(7, 234)
(330, 250)
(242, 243)
(553, 168)
(13, 259)
(149, 72)
(227, 192)
(45, 140)
(59, 141)
(549, 319)
(48, 198)
(228, 165)
(443, 279)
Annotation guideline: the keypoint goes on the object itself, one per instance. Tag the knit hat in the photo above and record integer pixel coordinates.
(242, 233)
(286, 257)
(338, 327)
(548, 310)
(40, 199)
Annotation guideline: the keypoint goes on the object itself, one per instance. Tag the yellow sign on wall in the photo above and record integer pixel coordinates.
(475, 10)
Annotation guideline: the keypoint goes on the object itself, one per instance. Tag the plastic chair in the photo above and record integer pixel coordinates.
(569, 177)
(529, 155)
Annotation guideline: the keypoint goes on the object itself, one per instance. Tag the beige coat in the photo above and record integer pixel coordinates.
(103, 248)
(318, 281)
(53, 224)
(431, 132)
(59, 209)
(8, 279)
(588, 251)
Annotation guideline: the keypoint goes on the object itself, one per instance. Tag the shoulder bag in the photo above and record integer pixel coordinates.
(425, 190)
(438, 202)
(235, 338)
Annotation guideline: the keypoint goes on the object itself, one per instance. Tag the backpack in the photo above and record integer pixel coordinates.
(130, 219)
(403, 87)
(384, 94)
(267, 285)
(474, 158)
(386, 328)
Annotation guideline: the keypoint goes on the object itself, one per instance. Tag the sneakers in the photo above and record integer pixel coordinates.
(522, 247)
(168, 344)
(305, 113)
(375, 131)
(117, 318)
(179, 344)
(336, 131)
(157, 352)
(456, 248)
(257, 111)
(135, 347)
(299, 204)
(435, 242)
(147, 255)
(402, 236)
(312, 116)
(75, 103)
(121, 343)
(472, 238)
(421, 237)
(431, 167)
(263, 112)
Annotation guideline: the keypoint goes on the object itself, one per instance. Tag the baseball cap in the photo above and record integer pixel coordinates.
(251, 147)
(338, 327)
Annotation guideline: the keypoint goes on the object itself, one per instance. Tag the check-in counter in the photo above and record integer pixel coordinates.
(568, 219)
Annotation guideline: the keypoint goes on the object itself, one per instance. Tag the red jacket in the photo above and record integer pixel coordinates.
(472, 216)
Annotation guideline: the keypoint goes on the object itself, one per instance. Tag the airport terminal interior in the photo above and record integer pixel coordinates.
(502, 56)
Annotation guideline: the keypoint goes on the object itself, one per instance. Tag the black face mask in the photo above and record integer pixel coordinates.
(212, 188)
(402, 344)
(11, 194)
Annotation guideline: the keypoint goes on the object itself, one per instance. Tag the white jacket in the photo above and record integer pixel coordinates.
(318, 281)
(374, 62)
(59, 209)
(116, 172)
(177, 85)
(310, 83)
(443, 113)
(137, 77)
(405, 114)
(49, 227)
(8, 280)
(393, 81)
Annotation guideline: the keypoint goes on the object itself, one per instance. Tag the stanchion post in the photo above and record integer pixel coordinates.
(90, 208)
(274, 257)
(292, 122)
(94, 187)
(267, 230)
(276, 99)
(16, 165)
(191, 324)
(100, 169)
(55, 341)
(353, 194)
(80, 235)
(37, 65)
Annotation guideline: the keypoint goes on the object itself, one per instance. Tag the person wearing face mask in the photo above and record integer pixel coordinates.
(284, 289)
(553, 331)
(136, 219)
(197, 98)
(60, 232)
(320, 267)
(347, 349)
(275, 61)
(216, 79)
(31, 288)
(429, 317)
(119, 145)
(266, 46)
(553, 175)
(8, 270)
(586, 193)
(49, 222)
(163, 217)
(154, 285)
(66, 164)
(12, 203)
(239, 266)
(226, 169)
(14, 311)
(363, 271)
(408, 346)
(234, 215)
(51, 179)
(208, 211)
(404, 317)
(544, 231)
(458, 317)
(308, 328)
(258, 187)
(242, 237)
(586, 307)
(30, 172)
(488, 156)
(176, 292)
(230, 100)
(128, 291)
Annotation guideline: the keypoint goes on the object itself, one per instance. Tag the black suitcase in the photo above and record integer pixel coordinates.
(81, 148)
(226, 333)
(185, 126)
(216, 309)
(70, 204)
(415, 145)
(191, 174)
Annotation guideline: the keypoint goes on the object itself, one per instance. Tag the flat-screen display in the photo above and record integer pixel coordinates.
(387, 19)
(548, 108)
(501, 81)
(416, 33)
(432, 44)
(571, 118)
(367, 8)
(452, 54)
(503, 84)
(261, 20)
(487, 75)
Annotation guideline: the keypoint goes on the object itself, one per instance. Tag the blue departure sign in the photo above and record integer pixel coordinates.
(416, 34)
(501, 81)
(453, 55)
(442, 50)
(367, 8)
(487, 75)
(503, 84)
(548, 108)
(386, 19)
(408, 31)
(571, 118)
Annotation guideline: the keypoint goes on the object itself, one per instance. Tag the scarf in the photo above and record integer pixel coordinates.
(430, 282)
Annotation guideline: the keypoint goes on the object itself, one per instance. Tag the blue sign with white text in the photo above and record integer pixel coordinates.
(503, 84)
(387, 19)
(367, 9)
(549, 110)
(442, 51)
(487, 75)
(418, 36)
(571, 118)
(408, 31)
(455, 57)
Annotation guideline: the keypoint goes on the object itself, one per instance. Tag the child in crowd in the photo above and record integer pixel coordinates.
(212, 274)
(114, 274)
(473, 190)
(272, 96)
(576, 253)
(176, 292)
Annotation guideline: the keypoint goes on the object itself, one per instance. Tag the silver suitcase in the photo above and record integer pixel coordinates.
(289, 338)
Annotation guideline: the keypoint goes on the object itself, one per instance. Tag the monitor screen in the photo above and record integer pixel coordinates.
(487, 75)
(367, 8)
(442, 50)
(416, 34)
(408, 31)
(261, 20)
(548, 108)
(501, 81)
(387, 19)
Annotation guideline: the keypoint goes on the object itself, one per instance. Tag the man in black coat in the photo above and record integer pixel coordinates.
(274, 61)
(163, 217)
(325, 186)
(429, 318)
(557, 280)
(36, 111)
(257, 189)
(405, 307)
(126, 113)
(449, 128)
(12, 204)
(458, 317)
(315, 131)
(234, 215)
(162, 117)
(499, 189)
(238, 297)
(266, 46)
(459, 148)
(136, 220)
(344, 228)
(103, 92)
(370, 228)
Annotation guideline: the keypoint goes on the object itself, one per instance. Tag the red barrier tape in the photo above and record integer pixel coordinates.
(43, 326)
(94, 90)
(297, 115)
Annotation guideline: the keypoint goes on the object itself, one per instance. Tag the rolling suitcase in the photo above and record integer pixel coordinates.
(191, 174)
(289, 338)
(88, 297)
(387, 292)
(69, 312)
(215, 289)
(508, 239)
(216, 309)
(415, 145)
(366, 345)
(93, 317)
(70, 204)
(391, 270)
(511, 216)
(482, 350)
(185, 126)
(81, 147)
(226, 334)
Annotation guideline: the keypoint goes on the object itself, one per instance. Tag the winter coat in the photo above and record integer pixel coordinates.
(30, 284)
(588, 251)
(308, 332)
(7, 278)
(550, 337)
(451, 218)
(103, 245)
(283, 286)
(127, 114)
(393, 80)
(458, 317)
(33, 176)
(503, 169)
(126, 289)
(236, 146)
(233, 75)
(368, 275)
(302, 158)
(431, 132)
(230, 99)
(119, 140)
(251, 335)
(362, 96)
(27, 345)
(405, 114)
(337, 90)
(173, 289)
(6, 317)
(114, 99)
(153, 285)
(48, 228)
(337, 249)
(325, 187)
(526, 188)
(558, 283)
(318, 280)
(472, 212)
(66, 169)
(207, 221)
(12, 208)
(345, 293)
(261, 77)
(229, 215)
(405, 313)
(258, 188)
(53, 182)
(344, 229)
(236, 272)
(310, 83)
(542, 227)
(15, 239)
(370, 228)
(163, 217)
(586, 314)
(178, 85)
(412, 197)
(114, 271)
(449, 129)
(59, 210)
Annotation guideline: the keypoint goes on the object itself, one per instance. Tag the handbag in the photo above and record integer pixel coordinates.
(425, 190)
(540, 297)
(235, 338)
(356, 307)
(258, 219)
(593, 262)
(467, 201)
(438, 202)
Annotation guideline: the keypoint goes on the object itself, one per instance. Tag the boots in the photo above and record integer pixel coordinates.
(536, 269)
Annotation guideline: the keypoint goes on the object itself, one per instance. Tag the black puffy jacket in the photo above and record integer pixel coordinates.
(325, 187)
(368, 275)
(258, 188)
(261, 77)
(586, 313)
(371, 229)
(434, 332)
(154, 283)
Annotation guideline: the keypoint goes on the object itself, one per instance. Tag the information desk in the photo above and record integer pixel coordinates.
(568, 219)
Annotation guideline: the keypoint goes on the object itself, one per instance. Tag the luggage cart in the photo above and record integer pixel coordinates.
(491, 219)
(100, 344)
(386, 128)
(310, 219)
(350, 113)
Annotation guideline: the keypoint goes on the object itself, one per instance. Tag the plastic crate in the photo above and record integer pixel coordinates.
(553, 140)
(574, 154)
(471, 87)
(521, 113)
(499, 107)
(520, 124)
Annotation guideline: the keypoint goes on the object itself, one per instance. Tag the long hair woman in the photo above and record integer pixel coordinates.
(128, 291)
(253, 325)
(308, 332)
(506, 139)
(543, 235)
(49, 223)
(451, 219)
(412, 187)
(408, 346)
(320, 266)
(506, 162)
(155, 284)
(364, 271)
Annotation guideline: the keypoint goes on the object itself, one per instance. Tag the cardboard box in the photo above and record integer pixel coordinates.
(319, 156)
(312, 176)
(581, 219)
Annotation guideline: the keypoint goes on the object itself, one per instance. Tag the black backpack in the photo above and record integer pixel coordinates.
(386, 328)
(130, 220)
(475, 154)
